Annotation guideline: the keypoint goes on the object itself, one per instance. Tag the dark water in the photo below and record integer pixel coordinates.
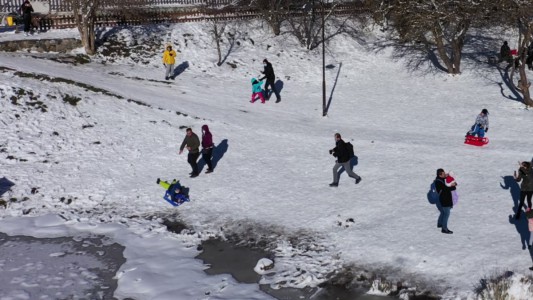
(58, 268)
(227, 258)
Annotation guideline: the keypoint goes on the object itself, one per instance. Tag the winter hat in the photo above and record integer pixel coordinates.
(485, 111)
(265, 60)
(254, 80)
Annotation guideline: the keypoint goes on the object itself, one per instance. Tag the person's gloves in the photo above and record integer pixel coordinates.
(487, 130)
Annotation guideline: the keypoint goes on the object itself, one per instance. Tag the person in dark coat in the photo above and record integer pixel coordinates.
(25, 10)
(505, 53)
(193, 144)
(446, 202)
(524, 174)
(343, 160)
(270, 79)
(207, 148)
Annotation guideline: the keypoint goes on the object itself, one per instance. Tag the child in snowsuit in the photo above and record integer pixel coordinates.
(174, 191)
(257, 90)
(450, 181)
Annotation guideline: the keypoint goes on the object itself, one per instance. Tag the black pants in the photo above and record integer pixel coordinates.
(270, 82)
(522, 199)
(206, 155)
(27, 22)
(191, 159)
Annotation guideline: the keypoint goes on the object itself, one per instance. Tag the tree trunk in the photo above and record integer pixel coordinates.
(441, 50)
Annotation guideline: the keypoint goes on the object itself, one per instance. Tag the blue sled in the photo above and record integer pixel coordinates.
(182, 199)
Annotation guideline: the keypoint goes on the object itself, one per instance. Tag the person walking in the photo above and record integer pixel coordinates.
(207, 148)
(169, 59)
(445, 198)
(524, 174)
(193, 144)
(342, 153)
(26, 9)
(270, 80)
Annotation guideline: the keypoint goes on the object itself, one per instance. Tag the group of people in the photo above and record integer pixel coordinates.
(192, 143)
(169, 60)
(446, 186)
(257, 90)
(507, 55)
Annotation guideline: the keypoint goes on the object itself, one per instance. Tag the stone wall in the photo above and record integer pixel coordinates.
(44, 45)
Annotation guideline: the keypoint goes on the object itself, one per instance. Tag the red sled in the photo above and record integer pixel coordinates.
(476, 141)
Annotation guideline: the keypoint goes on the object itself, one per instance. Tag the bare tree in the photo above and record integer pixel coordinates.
(274, 12)
(86, 13)
(439, 24)
(307, 24)
(218, 25)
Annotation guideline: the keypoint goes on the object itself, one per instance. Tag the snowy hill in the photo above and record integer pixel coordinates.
(88, 141)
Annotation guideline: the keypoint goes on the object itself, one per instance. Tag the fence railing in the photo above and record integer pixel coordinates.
(56, 6)
(192, 14)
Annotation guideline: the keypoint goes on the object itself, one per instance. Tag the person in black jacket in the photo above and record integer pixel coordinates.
(26, 9)
(446, 202)
(270, 79)
(343, 160)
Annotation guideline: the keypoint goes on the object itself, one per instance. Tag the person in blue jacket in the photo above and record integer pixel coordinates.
(257, 90)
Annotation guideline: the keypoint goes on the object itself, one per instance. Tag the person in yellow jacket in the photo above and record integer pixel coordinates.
(169, 59)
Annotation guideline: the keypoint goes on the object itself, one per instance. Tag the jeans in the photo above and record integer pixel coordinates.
(478, 130)
(169, 70)
(443, 217)
(348, 169)
(191, 159)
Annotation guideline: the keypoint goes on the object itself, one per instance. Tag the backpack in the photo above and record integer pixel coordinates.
(433, 196)
(349, 147)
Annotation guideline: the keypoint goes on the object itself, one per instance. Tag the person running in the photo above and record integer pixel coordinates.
(270, 80)
(193, 144)
(207, 148)
(169, 59)
(524, 174)
(342, 153)
(445, 198)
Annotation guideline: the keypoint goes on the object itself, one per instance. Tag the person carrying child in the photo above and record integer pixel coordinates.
(257, 90)
(450, 182)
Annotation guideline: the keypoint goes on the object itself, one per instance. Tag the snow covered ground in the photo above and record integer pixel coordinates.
(91, 167)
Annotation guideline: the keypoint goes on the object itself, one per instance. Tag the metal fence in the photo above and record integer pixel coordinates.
(59, 6)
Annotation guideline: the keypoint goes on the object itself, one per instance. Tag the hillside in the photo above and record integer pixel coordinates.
(87, 142)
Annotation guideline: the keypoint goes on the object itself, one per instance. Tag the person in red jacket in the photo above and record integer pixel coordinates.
(207, 148)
